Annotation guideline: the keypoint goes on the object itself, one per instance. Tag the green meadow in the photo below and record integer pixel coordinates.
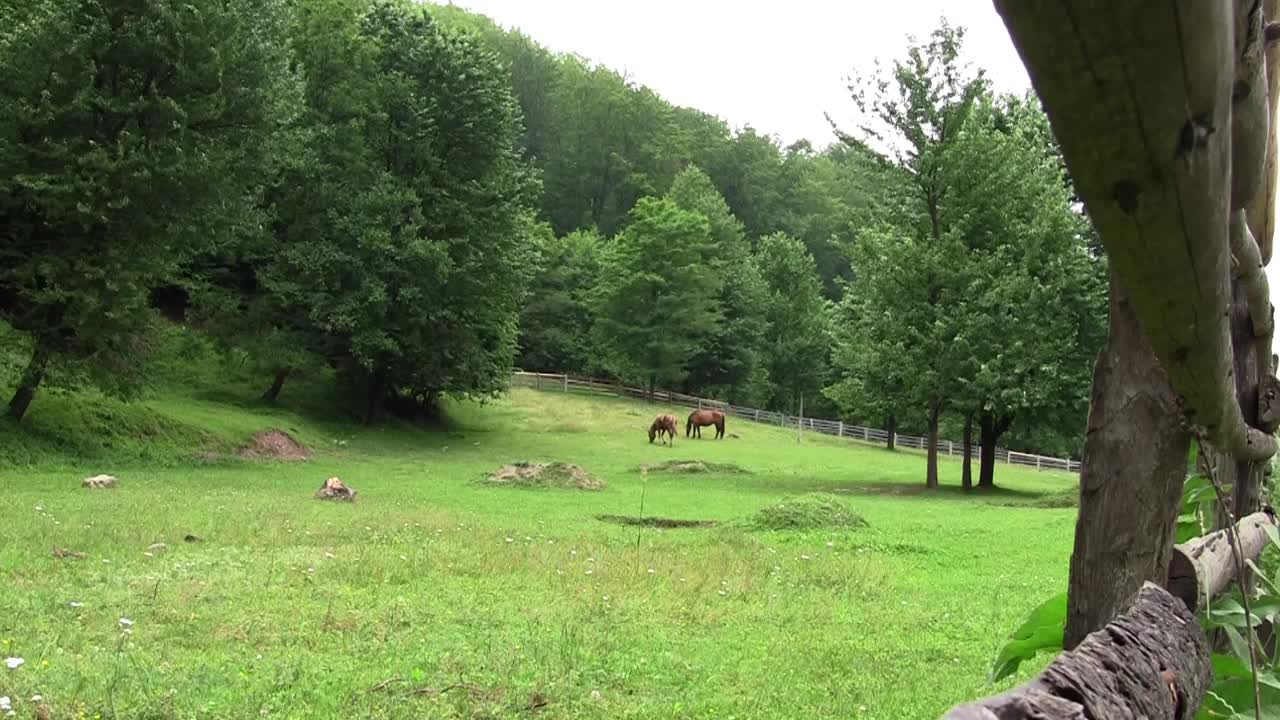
(823, 582)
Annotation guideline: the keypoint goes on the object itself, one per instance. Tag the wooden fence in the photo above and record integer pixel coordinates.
(569, 383)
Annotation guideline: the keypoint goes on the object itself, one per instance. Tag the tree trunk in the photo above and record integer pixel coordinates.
(931, 464)
(986, 451)
(1134, 464)
(892, 431)
(966, 476)
(991, 428)
(377, 384)
(273, 393)
(29, 382)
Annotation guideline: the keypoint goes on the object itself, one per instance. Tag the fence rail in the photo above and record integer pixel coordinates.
(569, 383)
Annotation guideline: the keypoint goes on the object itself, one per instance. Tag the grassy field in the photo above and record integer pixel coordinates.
(437, 596)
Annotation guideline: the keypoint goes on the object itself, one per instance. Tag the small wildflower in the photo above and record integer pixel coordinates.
(804, 557)
(830, 544)
(722, 593)
(651, 571)
(511, 540)
(527, 538)
(403, 557)
(590, 571)
(14, 663)
(329, 555)
(311, 569)
(126, 622)
(573, 552)
(75, 604)
(606, 598)
(595, 694)
(37, 698)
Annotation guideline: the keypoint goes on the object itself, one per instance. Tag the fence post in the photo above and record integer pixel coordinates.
(840, 431)
(950, 448)
(699, 403)
(1037, 462)
(566, 383)
(757, 414)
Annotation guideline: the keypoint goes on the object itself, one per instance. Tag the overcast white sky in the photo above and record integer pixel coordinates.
(775, 66)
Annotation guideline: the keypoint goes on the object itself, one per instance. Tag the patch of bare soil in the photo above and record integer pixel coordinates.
(656, 522)
(563, 475)
(66, 554)
(275, 445)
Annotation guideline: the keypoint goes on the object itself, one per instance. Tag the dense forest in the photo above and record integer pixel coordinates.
(413, 201)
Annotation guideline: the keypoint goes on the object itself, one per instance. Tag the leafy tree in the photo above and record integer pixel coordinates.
(727, 361)
(798, 339)
(656, 297)
(916, 109)
(132, 136)
(1034, 307)
(402, 229)
(555, 325)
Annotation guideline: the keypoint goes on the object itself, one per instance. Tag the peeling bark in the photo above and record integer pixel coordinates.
(1151, 662)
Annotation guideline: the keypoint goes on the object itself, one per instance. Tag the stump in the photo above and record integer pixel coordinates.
(334, 489)
(100, 482)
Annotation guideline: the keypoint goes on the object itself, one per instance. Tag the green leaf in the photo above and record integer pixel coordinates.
(1041, 631)
(1238, 644)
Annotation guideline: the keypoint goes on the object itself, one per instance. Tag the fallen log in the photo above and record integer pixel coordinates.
(1206, 566)
(1152, 661)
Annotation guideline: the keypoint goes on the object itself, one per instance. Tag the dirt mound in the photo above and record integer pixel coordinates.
(808, 512)
(696, 466)
(275, 445)
(656, 522)
(563, 475)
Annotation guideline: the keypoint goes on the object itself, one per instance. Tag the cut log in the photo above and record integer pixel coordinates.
(1151, 662)
(1204, 567)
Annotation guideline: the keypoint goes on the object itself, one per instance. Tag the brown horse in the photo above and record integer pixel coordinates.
(663, 424)
(701, 418)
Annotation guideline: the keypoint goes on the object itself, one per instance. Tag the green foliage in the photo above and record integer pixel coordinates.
(656, 298)
(1042, 631)
(975, 290)
(403, 232)
(132, 137)
(727, 361)
(555, 325)
(799, 320)
(807, 512)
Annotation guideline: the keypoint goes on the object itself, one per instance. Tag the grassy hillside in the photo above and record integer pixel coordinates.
(435, 595)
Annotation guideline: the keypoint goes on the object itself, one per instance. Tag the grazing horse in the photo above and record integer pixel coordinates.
(663, 424)
(700, 418)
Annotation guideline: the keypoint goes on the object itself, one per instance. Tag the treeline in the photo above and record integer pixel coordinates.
(417, 199)
(929, 272)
